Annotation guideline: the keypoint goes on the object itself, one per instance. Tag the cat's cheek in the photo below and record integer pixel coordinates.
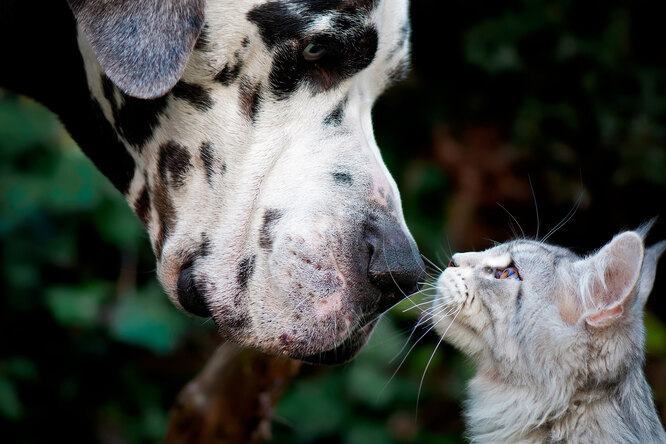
(461, 337)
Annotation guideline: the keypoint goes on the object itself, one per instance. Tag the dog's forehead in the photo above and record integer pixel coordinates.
(234, 28)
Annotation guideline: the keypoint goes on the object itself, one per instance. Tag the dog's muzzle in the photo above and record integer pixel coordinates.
(394, 268)
(327, 288)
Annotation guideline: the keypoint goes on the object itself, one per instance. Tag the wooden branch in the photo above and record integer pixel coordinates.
(232, 399)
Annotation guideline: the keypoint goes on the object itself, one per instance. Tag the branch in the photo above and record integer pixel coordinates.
(232, 399)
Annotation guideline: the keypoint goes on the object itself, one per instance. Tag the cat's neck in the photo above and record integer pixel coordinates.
(622, 412)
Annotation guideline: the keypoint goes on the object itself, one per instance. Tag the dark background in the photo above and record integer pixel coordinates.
(514, 115)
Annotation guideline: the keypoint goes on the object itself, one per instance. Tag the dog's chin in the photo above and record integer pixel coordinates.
(345, 351)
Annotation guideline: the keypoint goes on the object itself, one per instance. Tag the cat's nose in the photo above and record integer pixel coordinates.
(452, 263)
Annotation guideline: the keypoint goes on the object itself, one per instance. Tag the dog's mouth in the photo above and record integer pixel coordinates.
(346, 350)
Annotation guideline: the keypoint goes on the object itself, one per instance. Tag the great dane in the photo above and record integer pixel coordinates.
(240, 133)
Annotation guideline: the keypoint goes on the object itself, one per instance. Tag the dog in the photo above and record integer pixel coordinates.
(240, 133)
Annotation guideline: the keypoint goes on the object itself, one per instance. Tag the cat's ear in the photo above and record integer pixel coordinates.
(650, 259)
(649, 270)
(608, 280)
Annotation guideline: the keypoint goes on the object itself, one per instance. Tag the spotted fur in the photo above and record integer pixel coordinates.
(253, 169)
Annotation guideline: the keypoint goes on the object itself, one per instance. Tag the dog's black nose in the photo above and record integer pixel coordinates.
(395, 266)
(188, 294)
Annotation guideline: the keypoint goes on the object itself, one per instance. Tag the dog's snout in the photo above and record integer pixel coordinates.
(189, 296)
(395, 266)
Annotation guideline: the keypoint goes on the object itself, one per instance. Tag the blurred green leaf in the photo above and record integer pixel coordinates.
(365, 432)
(119, 225)
(24, 124)
(20, 367)
(74, 185)
(325, 411)
(10, 405)
(79, 306)
(146, 318)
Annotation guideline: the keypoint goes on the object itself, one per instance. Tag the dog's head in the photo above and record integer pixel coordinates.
(257, 173)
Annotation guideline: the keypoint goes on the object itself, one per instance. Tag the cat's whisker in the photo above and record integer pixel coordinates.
(440, 312)
(434, 265)
(418, 396)
(522, 232)
(492, 241)
(448, 311)
(566, 219)
(536, 207)
(410, 349)
(443, 261)
(420, 304)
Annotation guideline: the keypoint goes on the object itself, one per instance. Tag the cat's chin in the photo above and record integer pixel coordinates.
(345, 351)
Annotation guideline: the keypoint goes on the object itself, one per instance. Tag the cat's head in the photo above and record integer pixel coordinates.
(530, 312)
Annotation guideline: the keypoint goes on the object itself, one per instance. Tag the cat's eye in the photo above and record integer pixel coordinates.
(507, 273)
(313, 52)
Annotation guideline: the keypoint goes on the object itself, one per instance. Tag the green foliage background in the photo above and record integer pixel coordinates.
(530, 104)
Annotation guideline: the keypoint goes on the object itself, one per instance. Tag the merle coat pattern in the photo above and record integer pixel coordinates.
(240, 133)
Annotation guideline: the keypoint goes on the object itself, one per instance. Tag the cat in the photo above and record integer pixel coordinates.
(557, 340)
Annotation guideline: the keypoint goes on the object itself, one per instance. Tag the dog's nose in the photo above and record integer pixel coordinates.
(188, 294)
(395, 266)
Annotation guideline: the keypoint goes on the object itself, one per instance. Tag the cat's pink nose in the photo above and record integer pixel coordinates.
(452, 263)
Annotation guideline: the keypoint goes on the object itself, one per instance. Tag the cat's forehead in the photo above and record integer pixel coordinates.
(528, 248)
(513, 252)
(524, 250)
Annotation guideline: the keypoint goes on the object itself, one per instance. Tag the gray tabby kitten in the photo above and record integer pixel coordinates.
(557, 340)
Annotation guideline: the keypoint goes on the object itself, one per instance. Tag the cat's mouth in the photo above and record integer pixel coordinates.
(346, 350)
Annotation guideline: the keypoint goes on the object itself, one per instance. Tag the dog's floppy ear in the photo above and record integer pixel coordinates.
(142, 45)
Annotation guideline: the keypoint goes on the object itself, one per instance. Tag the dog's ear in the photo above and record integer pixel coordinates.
(142, 45)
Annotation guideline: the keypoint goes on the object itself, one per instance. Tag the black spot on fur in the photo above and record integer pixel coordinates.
(137, 119)
(198, 96)
(351, 44)
(108, 88)
(142, 206)
(400, 70)
(405, 31)
(174, 164)
(271, 216)
(202, 42)
(204, 246)
(233, 321)
(230, 72)
(245, 270)
(211, 164)
(226, 76)
(342, 178)
(250, 96)
(335, 117)
(165, 214)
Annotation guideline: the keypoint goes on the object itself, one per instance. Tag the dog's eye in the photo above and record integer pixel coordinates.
(313, 52)
(507, 273)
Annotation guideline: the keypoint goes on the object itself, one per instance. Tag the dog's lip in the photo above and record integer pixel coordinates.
(346, 350)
